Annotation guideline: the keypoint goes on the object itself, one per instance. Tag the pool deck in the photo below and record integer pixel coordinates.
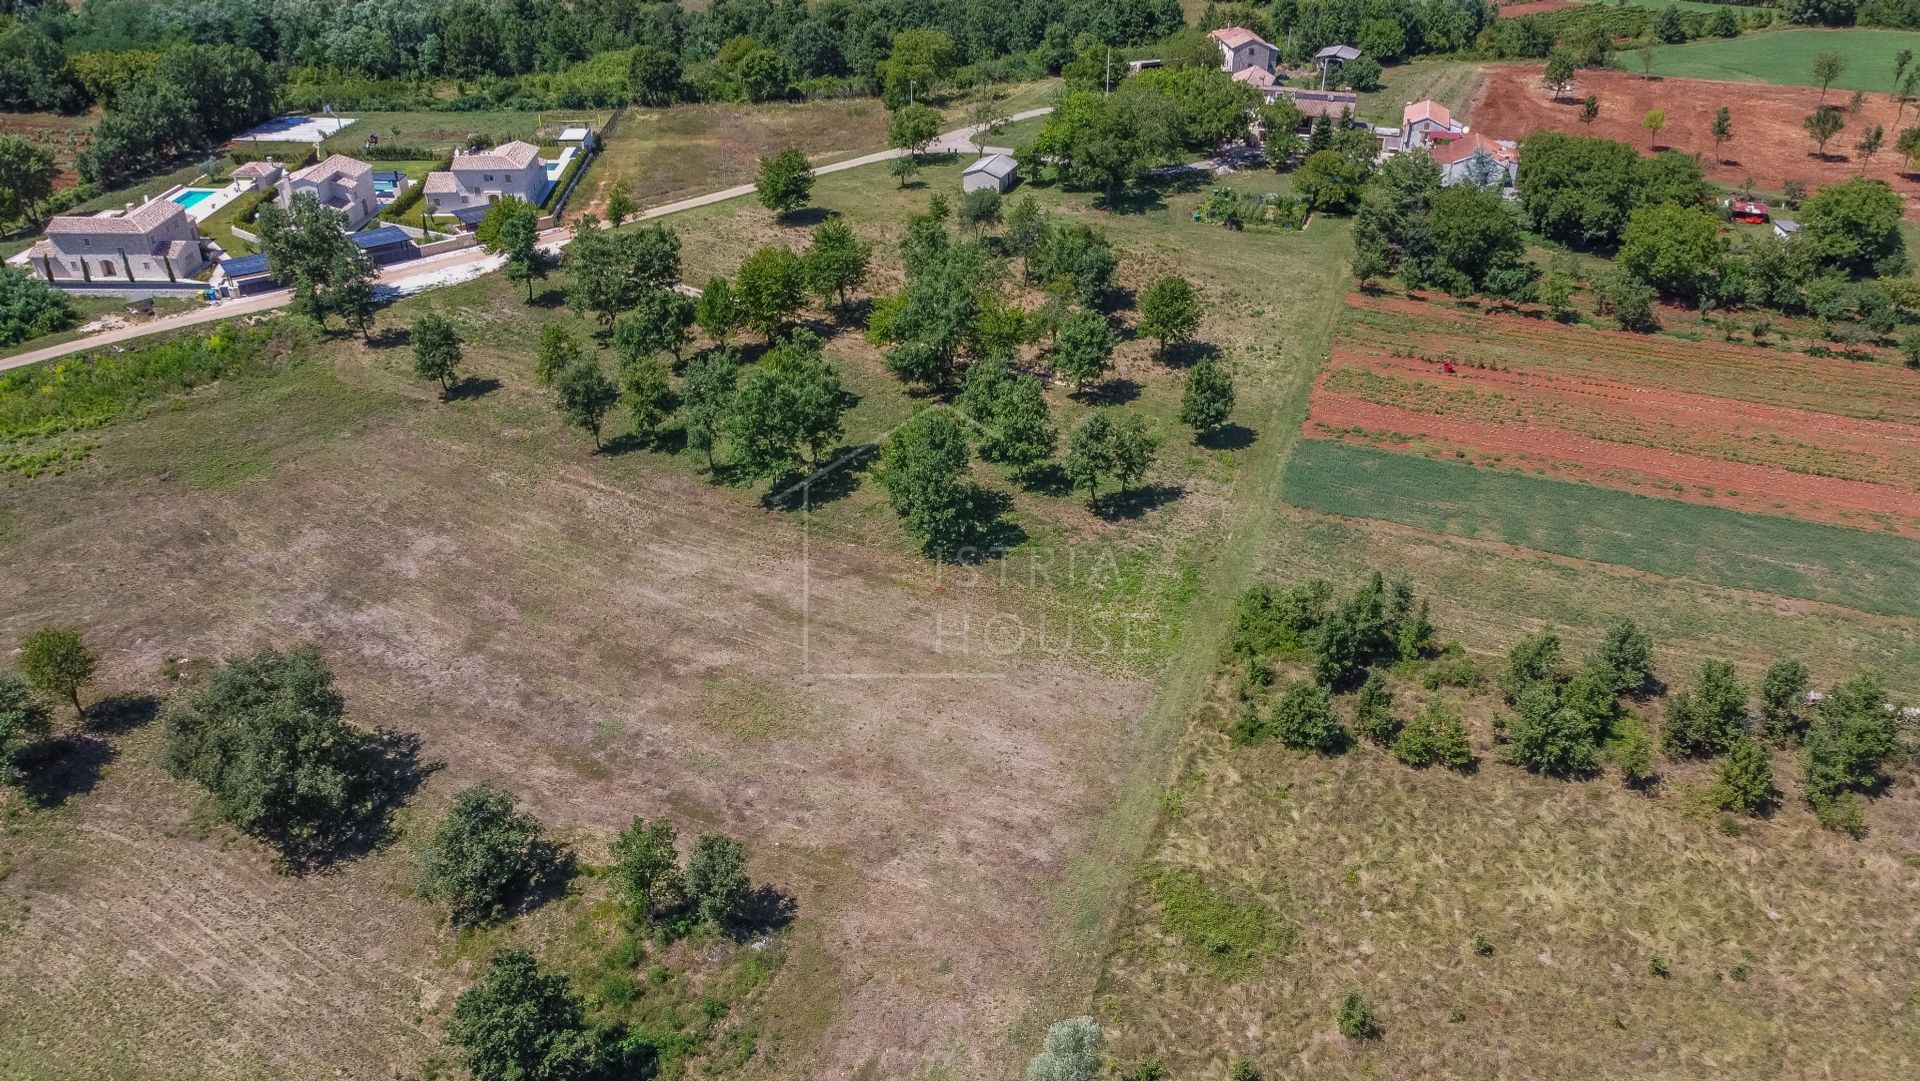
(205, 208)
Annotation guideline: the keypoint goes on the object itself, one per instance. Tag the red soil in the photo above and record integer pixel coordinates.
(1722, 370)
(1743, 427)
(1768, 145)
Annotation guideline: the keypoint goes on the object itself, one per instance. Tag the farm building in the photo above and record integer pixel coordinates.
(1749, 211)
(1241, 49)
(1785, 229)
(1335, 104)
(997, 172)
(154, 242)
(244, 275)
(387, 244)
(1477, 160)
(1423, 123)
(1260, 79)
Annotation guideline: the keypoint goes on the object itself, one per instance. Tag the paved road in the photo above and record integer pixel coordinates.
(453, 263)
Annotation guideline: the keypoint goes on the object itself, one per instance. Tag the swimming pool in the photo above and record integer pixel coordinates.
(192, 197)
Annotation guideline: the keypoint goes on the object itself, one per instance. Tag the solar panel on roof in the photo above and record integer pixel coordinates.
(471, 215)
(244, 265)
(381, 237)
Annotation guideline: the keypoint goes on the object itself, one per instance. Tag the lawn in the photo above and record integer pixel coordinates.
(1452, 83)
(432, 130)
(1786, 57)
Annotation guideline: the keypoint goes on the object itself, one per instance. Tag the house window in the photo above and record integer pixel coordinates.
(489, 178)
(106, 269)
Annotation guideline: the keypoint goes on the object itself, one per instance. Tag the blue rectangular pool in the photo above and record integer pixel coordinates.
(193, 196)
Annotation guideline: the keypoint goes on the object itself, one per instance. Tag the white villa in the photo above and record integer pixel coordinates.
(1241, 49)
(341, 183)
(511, 169)
(154, 242)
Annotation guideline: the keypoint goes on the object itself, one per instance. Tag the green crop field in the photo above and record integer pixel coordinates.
(1872, 572)
(1786, 57)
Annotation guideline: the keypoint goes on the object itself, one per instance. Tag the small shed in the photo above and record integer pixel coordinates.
(1785, 229)
(996, 171)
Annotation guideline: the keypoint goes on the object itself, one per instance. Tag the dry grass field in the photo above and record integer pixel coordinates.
(611, 635)
(1502, 924)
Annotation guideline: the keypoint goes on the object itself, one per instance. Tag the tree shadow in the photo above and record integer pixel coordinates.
(56, 770)
(391, 338)
(473, 386)
(765, 909)
(837, 477)
(549, 298)
(119, 713)
(1227, 437)
(1118, 390)
(1048, 479)
(1118, 299)
(1187, 354)
(804, 218)
(1136, 502)
(396, 771)
(1142, 200)
(989, 531)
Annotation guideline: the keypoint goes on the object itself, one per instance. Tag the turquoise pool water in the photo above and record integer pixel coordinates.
(193, 196)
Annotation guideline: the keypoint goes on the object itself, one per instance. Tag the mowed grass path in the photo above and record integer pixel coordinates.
(1786, 57)
(1872, 572)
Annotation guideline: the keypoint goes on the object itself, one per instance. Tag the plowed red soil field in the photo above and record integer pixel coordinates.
(1743, 427)
(1768, 145)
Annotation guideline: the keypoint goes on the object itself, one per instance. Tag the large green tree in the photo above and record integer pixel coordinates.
(1084, 347)
(835, 263)
(1676, 249)
(768, 289)
(521, 1024)
(785, 182)
(436, 351)
(268, 738)
(1169, 311)
(792, 401)
(1854, 227)
(27, 173)
(584, 395)
(922, 465)
(486, 857)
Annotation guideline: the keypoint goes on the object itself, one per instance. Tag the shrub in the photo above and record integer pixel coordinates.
(1632, 751)
(24, 719)
(1852, 736)
(1436, 736)
(1453, 668)
(519, 1023)
(1706, 718)
(1783, 698)
(1303, 719)
(486, 857)
(30, 307)
(1745, 783)
(1533, 659)
(1355, 1018)
(716, 878)
(1280, 622)
(268, 739)
(1072, 1051)
(1626, 655)
(1547, 737)
(1373, 711)
(57, 663)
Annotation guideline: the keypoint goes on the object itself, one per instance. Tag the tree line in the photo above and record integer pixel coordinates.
(1561, 718)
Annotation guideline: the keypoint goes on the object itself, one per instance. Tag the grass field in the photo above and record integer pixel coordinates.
(1452, 83)
(1786, 57)
(1872, 572)
(431, 130)
(614, 635)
